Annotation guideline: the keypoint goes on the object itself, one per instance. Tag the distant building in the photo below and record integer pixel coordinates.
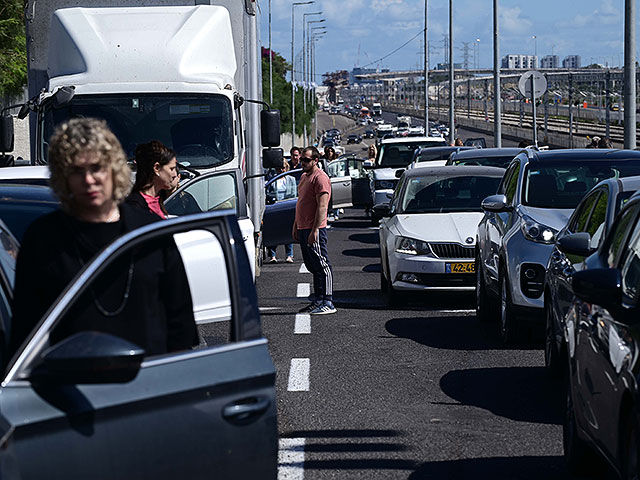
(550, 61)
(520, 61)
(445, 66)
(572, 61)
(364, 71)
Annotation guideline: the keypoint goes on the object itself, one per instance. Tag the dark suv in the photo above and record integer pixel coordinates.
(516, 235)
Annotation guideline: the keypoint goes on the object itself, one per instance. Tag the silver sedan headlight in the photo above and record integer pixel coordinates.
(411, 246)
(537, 232)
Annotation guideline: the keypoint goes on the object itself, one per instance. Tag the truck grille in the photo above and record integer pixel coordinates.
(452, 250)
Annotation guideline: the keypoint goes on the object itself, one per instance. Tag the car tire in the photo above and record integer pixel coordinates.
(375, 219)
(393, 296)
(508, 321)
(485, 311)
(384, 286)
(578, 455)
(629, 447)
(551, 352)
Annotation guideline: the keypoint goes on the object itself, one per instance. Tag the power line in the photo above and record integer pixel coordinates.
(399, 48)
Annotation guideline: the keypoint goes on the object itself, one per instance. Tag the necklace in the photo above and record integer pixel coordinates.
(114, 217)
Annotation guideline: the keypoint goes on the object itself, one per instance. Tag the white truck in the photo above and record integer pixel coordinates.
(376, 108)
(185, 72)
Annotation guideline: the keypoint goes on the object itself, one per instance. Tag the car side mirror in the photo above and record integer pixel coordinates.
(90, 357)
(270, 128)
(602, 286)
(495, 203)
(382, 210)
(272, 157)
(576, 244)
(6, 133)
(399, 172)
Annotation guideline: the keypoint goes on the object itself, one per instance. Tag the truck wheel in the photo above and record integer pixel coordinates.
(508, 321)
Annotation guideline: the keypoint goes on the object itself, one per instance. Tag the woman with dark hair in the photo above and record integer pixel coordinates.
(157, 171)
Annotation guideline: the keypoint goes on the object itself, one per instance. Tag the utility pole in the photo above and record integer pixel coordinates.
(426, 72)
(607, 103)
(497, 117)
(270, 62)
(452, 91)
(293, 68)
(570, 110)
(630, 74)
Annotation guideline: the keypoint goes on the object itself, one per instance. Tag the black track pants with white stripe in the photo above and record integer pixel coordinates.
(317, 262)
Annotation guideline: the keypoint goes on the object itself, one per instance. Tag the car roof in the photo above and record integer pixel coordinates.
(581, 154)
(23, 192)
(387, 141)
(626, 184)
(445, 148)
(487, 152)
(454, 171)
(26, 171)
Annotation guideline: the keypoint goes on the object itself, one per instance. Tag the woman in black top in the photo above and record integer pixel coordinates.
(143, 297)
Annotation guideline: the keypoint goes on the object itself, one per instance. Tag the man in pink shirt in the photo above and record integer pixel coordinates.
(310, 229)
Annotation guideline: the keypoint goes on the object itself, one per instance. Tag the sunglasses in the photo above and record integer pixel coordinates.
(305, 159)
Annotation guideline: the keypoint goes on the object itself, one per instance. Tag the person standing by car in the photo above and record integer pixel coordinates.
(310, 229)
(285, 188)
(157, 171)
(295, 158)
(143, 298)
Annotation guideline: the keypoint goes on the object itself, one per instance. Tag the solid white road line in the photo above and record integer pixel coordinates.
(291, 459)
(299, 375)
(304, 289)
(462, 310)
(303, 323)
(303, 269)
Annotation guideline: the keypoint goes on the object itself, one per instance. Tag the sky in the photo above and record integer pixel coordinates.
(361, 32)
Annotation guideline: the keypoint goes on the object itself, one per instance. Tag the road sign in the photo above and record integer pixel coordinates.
(539, 84)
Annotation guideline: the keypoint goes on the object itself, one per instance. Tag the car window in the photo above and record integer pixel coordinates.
(595, 226)
(581, 215)
(282, 188)
(630, 267)
(618, 234)
(355, 169)
(18, 215)
(337, 169)
(217, 192)
(511, 184)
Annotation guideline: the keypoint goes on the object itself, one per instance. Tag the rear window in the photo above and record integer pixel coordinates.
(398, 155)
(502, 162)
(564, 185)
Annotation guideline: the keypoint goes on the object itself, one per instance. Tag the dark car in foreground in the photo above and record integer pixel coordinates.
(96, 406)
(488, 157)
(603, 346)
(585, 231)
(22, 204)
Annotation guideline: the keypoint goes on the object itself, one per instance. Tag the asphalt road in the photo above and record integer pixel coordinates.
(420, 392)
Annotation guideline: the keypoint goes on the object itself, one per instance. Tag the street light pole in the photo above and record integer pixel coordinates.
(426, 71)
(304, 66)
(315, 37)
(497, 117)
(270, 61)
(293, 62)
(535, 51)
(452, 91)
(630, 74)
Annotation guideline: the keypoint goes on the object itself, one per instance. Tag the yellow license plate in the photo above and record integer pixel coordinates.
(462, 267)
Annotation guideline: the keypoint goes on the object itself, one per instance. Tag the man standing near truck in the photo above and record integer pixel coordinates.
(310, 229)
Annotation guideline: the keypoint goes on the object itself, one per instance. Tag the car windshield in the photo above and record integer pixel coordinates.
(502, 162)
(19, 215)
(199, 128)
(564, 185)
(398, 155)
(447, 194)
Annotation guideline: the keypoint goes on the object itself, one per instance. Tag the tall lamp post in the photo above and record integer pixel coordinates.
(452, 91)
(270, 61)
(314, 38)
(497, 116)
(426, 71)
(305, 28)
(478, 53)
(293, 61)
(535, 51)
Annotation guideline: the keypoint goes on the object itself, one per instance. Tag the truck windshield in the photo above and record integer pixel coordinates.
(198, 127)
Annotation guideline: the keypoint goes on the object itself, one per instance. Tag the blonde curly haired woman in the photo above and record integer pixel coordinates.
(143, 298)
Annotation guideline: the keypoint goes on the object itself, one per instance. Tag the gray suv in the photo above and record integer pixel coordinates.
(537, 195)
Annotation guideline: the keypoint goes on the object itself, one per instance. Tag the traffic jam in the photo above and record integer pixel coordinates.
(443, 309)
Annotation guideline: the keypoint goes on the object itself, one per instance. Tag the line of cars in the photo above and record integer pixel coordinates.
(554, 247)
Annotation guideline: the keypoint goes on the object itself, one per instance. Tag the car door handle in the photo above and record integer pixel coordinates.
(245, 410)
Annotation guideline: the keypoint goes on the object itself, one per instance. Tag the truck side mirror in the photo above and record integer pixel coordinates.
(270, 128)
(63, 96)
(272, 158)
(6, 133)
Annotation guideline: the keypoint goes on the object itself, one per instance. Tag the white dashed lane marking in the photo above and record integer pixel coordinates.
(291, 459)
(299, 375)
(303, 323)
(304, 289)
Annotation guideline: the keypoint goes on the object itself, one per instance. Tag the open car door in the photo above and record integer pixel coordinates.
(281, 198)
(361, 195)
(338, 171)
(96, 406)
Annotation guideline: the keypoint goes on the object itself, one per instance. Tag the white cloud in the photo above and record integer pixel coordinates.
(512, 21)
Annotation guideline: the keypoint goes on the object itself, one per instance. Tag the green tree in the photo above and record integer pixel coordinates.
(13, 49)
(282, 94)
